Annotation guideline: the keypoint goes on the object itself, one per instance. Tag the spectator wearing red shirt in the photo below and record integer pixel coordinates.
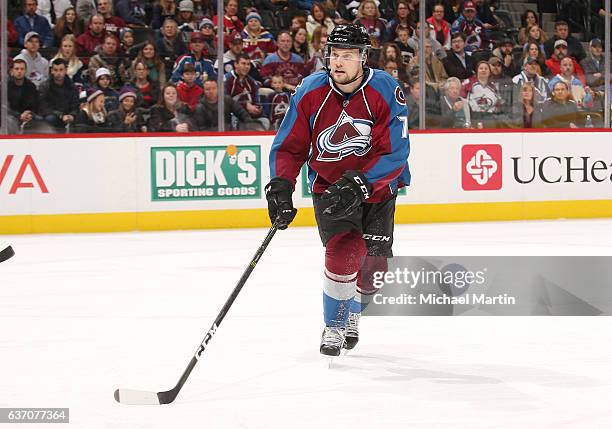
(440, 27)
(285, 63)
(112, 24)
(258, 42)
(92, 38)
(231, 21)
(554, 62)
(189, 92)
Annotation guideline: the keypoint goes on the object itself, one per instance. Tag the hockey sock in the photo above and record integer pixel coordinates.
(344, 254)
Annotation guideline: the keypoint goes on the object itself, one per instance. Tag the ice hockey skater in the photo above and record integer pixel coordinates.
(349, 123)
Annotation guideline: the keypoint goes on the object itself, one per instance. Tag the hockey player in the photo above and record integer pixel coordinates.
(349, 124)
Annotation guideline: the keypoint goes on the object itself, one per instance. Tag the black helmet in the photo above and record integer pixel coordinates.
(349, 36)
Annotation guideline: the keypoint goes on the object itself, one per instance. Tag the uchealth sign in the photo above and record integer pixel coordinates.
(206, 172)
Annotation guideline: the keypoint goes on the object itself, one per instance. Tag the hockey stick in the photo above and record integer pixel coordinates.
(140, 397)
(7, 253)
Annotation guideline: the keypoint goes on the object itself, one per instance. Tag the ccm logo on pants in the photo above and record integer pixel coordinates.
(376, 237)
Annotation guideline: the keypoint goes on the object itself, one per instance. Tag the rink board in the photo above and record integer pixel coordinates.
(156, 182)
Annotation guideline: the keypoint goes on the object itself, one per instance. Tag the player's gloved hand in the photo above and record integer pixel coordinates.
(346, 195)
(280, 204)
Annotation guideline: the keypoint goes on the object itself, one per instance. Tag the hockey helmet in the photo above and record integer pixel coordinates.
(348, 36)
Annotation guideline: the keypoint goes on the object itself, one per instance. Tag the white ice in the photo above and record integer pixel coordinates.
(81, 315)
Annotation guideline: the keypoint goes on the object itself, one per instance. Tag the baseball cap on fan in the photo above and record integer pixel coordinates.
(469, 5)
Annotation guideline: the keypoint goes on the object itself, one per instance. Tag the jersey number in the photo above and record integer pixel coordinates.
(404, 120)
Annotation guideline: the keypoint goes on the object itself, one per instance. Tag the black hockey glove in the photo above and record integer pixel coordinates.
(280, 204)
(346, 195)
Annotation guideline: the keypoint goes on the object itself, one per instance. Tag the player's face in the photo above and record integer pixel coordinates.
(345, 65)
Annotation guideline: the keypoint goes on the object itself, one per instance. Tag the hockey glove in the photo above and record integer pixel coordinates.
(346, 195)
(280, 204)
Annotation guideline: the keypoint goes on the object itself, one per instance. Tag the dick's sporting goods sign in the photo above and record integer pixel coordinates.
(205, 173)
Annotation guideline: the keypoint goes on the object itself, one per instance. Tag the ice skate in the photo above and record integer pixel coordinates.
(352, 331)
(332, 341)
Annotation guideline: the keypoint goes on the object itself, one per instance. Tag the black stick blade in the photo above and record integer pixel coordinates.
(7, 253)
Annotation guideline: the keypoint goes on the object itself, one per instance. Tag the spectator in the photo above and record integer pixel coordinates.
(452, 10)
(413, 42)
(390, 52)
(203, 66)
(103, 83)
(594, 66)
(598, 14)
(258, 42)
(30, 22)
(554, 62)
(231, 22)
(93, 118)
(85, 9)
(317, 54)
(127, 118)
(59, 98)
(530, 75)
(37, 65)
(558, 112)
(485, 15)
(402, 17)
(189, 93)
(581, 94)
(300, 44)
(297, 22)
(472, 27)
(187, 21)
(12, 33)
(533, 50)
(206, 112)
(107, 57)
(482, 96)
(455, 111)
(505, 52)
(435, 74)
(368, 16)
(204, 8)
(67, 52)
(92, 37)
(575, 48)
(412, 102)
(22, 98)
(169, 114)
(161, 11)
(207, 31)
(525, 107)
(536, 35)
(392, 67)
(441, 29)
(283, 62)
(68, 23)
(505, 89)
(157, 69)
(278, 101)
(112, 24)
(146, 89)
(229, 57)
(51, 9)
(402, 42)
(127, 43)
(318, 17)
(458, 63)
(245, 90)
(169, 44)
(132, 12)
(528, 19)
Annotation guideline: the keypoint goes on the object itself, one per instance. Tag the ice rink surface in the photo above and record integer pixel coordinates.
(84, 314)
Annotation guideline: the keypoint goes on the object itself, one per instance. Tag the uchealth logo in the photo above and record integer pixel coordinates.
(481, 167)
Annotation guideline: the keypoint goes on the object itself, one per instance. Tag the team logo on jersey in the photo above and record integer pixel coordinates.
(399, 96)
(346, 137)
